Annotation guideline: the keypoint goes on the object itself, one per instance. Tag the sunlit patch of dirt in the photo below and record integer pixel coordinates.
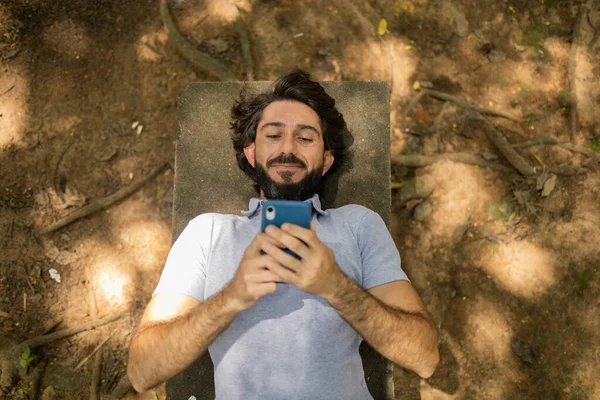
(522, 268)
(461, 194)
(14, 97)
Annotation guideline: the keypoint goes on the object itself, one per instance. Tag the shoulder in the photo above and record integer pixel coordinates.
(355, 216)
(352, 212)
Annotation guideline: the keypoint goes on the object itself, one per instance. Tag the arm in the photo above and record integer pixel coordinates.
(167, 342)
(177, 329)
(400, 330)
(391, 318)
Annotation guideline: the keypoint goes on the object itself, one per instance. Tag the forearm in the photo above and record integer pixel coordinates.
(164, 349)
(407, 339)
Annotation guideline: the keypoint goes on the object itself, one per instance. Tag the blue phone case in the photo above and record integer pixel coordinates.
(294, 212)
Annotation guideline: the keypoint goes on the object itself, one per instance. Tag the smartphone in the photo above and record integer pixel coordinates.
(278, 212)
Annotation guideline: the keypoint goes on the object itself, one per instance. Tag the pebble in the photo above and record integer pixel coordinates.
(422, 211)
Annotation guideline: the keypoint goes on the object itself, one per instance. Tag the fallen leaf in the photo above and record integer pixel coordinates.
(424, 117)
(549, 186)
(4, 314)
(416, 85)
(523, 350)
(382, 29)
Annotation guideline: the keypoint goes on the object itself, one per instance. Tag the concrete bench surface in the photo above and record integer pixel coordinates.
(207, 179)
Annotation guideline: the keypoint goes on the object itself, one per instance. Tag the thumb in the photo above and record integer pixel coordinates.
(313, 226)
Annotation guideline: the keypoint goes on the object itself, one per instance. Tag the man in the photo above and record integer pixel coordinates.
(277, 327)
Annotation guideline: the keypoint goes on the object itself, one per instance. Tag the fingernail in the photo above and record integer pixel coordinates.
(285, 226)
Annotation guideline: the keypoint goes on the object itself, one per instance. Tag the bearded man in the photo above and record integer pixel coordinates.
(279, 327)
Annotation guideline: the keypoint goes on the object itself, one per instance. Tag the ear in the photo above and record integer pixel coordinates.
(327, 160)
(249, 152)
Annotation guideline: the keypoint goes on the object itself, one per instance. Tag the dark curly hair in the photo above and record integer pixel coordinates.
(296, 85)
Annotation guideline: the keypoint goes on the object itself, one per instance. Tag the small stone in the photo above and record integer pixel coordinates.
(523, 350)
(49, 393)
(139, 129)
(427, 85)
(220, 45)
(488, 156)
(41, 198)
(496, 56)
(422, 211)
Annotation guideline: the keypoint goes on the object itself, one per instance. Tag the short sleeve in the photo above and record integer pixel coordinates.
(186, 265)
(379, 255)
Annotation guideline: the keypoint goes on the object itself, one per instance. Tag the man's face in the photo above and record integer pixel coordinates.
(289, 152)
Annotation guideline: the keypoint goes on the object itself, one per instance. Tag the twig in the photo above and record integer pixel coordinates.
(199, 59)
(245, 42)
(572, 66)
(104, 202)
(536, 142)
(7, 90)
(44, 339)
(565, 145)
(96, 376)
(415, 100)
(514, 158)
(57, 166)
(418, 161)
(464, 104)
(567, 170)
(97, 355)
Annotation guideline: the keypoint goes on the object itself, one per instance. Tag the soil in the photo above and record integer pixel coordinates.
(509, 275)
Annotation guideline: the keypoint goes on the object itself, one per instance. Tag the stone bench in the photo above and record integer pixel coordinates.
(207, 179)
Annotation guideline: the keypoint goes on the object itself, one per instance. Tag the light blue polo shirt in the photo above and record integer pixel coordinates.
(290, 344)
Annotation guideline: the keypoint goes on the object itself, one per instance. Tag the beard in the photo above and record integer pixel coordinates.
(289, 190)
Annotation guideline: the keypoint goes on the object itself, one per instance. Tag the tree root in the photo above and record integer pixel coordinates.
(418, 161)
(571, 73)
(10, 355)
(565, 145)
(245, 42)
(200, 60)
(514, 158)
(464, 104)
(104, 202)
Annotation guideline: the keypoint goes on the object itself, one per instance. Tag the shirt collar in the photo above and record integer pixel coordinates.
(256, 202)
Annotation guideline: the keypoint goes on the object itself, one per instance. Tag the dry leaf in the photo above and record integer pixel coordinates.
(382, 29)
(549, 186)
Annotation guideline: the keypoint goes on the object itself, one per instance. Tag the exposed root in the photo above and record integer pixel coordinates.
(200, 60)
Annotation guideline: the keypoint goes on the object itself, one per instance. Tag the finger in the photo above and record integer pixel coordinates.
(281, 257)
(308, 236)
(286, 275)
(313, 226)
(254, 247)
(267, 275)
(289, 241)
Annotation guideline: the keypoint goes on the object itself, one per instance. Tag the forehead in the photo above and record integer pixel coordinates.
(290, 113)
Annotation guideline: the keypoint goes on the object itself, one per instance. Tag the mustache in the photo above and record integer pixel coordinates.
(286, 159)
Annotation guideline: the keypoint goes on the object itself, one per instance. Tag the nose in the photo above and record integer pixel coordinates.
(288, 144)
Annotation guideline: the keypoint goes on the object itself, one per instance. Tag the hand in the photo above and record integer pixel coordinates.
(254, 277)
(316, 273)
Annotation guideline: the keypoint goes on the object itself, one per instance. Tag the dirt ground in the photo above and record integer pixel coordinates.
(506, 264)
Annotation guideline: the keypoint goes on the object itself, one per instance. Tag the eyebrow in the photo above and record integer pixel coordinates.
(300, 126)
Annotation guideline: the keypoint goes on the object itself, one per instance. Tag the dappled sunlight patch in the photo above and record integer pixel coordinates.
(146, 242)
(461, 193)
(112, 282)
(14, 92)
(523, 268)
(429, 392)
(489, 331)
